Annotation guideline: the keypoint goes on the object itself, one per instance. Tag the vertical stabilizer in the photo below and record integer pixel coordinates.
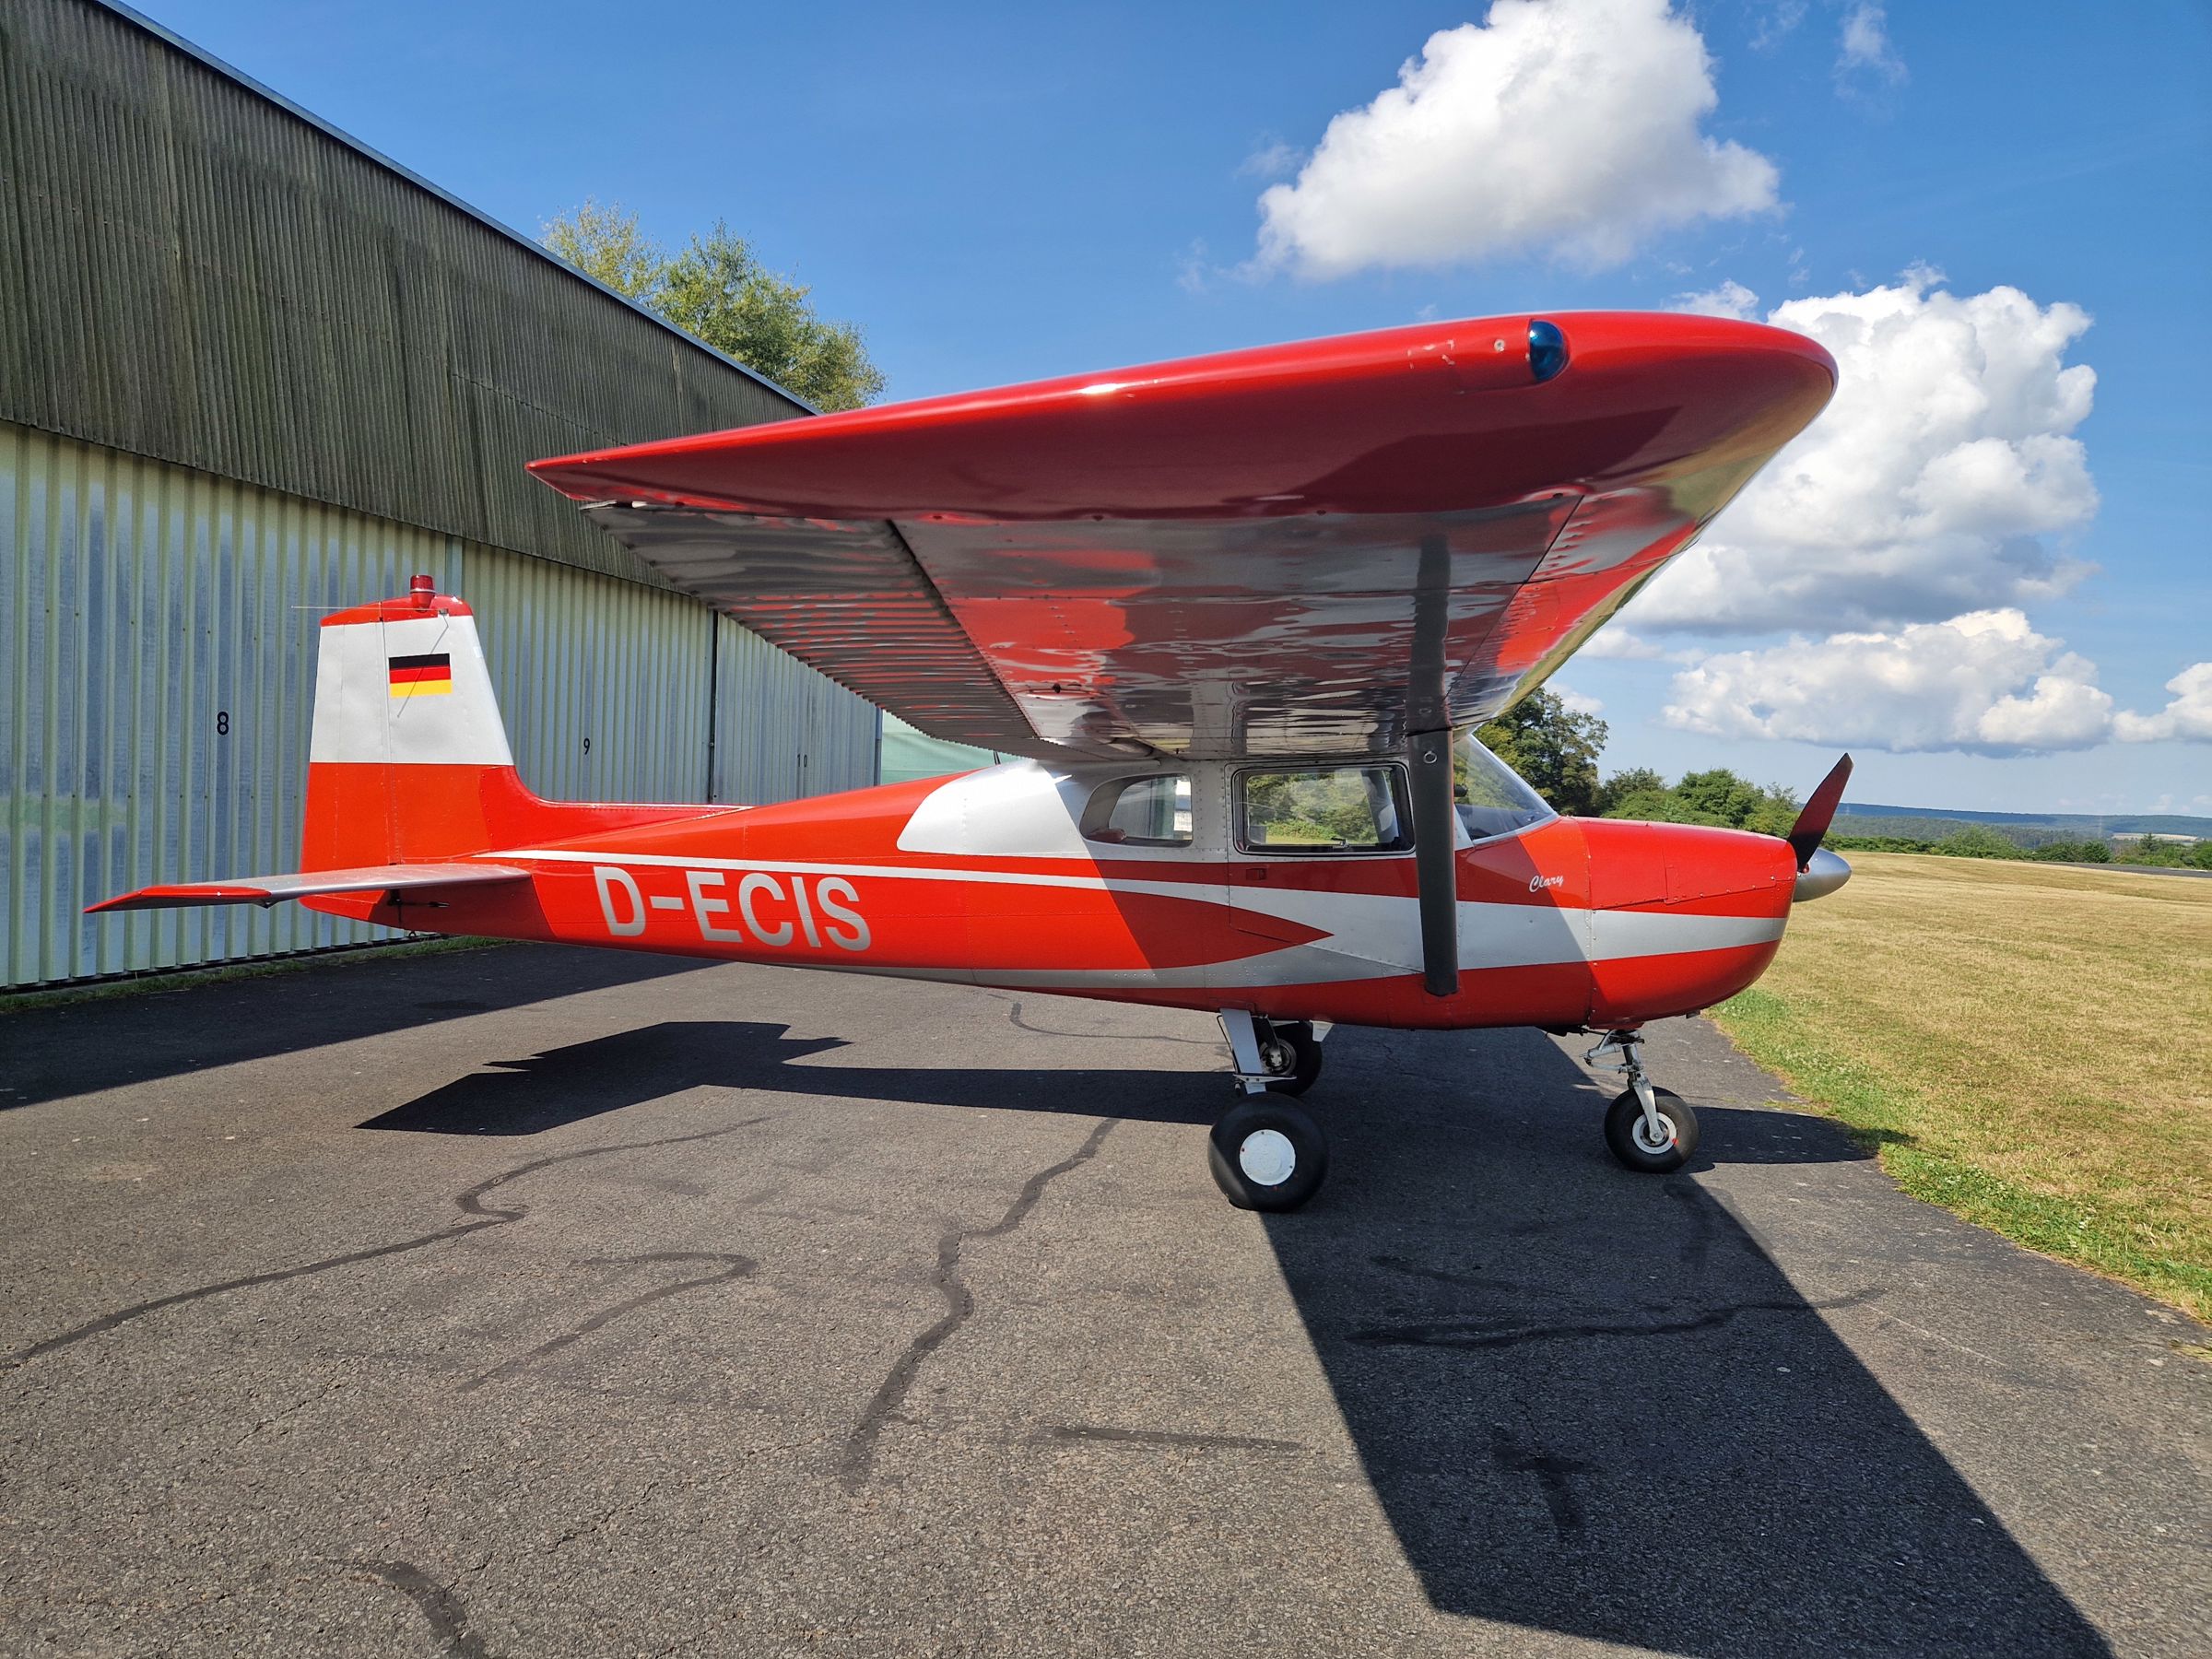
(409, 759)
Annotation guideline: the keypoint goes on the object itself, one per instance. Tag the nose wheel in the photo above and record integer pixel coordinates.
(1648, 1129)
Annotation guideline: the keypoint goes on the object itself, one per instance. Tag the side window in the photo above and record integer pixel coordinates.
(1323, 809)
(1141, 812)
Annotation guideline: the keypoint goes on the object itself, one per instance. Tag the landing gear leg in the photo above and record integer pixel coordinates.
(1648, 1129)
(1266, 1153)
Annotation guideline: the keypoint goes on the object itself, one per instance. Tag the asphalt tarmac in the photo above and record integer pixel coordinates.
(532, 1302)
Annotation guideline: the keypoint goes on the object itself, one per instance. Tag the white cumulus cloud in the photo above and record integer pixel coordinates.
(1273, 159)
(1618, 645)
(1732, 299)
(1943, 478)
(1570, 128)
(2189, 715)
(1985, 683)
(1865, 45)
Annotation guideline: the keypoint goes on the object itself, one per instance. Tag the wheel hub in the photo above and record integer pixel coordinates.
(1266, 1157)
(1641, 1134)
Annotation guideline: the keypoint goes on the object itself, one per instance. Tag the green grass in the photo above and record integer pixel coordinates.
(2017, 1044)
(1880, 1115)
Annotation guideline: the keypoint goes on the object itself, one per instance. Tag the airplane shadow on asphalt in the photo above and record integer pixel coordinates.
(1590, 1402)
(177, 1030)
(1587, 1401)
(562, 1086)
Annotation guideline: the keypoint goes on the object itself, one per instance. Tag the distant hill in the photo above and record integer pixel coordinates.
(2029, 829)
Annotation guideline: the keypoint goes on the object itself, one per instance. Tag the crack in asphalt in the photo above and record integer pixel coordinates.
(1167, 1437)
(734, 1267)
(292, 1411)
(859, 1459)
(470, 1202)
(1471, 1281)
(1020, 1023)
(1467, 1334)
(447, 1614)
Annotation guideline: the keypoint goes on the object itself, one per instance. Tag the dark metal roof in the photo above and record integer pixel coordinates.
(195, 269)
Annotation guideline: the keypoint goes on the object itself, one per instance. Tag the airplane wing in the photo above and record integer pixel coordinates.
(1321, 548)
(266, 890)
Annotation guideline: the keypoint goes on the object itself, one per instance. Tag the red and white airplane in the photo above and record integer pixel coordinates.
(1231, 610)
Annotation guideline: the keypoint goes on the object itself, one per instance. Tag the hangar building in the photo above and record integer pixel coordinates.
(252, 371)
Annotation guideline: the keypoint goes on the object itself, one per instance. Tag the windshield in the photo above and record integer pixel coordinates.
(1492, 801)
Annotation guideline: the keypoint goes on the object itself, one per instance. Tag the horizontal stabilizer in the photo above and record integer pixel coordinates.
(266, 890)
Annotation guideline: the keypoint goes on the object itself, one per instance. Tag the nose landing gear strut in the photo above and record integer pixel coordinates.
(1648, 1129)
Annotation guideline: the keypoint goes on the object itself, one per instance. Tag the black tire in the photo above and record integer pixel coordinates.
(1246, 1170)
(1624, 1138)
(1292, 1058)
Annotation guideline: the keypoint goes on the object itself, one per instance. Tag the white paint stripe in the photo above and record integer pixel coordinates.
(893, 872)
(1619, 933)
(1369, 935)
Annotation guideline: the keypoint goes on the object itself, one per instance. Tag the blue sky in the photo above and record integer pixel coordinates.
(1002, 192)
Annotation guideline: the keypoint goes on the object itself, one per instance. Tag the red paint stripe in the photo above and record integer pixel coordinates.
(416, 677)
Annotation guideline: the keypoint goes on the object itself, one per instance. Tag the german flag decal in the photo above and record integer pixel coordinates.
(430, 676)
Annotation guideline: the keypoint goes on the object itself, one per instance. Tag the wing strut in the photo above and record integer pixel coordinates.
(1428, 759)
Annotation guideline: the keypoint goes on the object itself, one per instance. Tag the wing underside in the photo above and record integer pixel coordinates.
(1302, 550)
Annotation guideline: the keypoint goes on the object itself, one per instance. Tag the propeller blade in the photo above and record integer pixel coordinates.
(1820, 812)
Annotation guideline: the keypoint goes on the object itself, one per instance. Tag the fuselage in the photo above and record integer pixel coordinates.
(1011, 876)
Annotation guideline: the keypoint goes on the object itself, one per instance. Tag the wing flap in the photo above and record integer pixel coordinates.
(266, 890)
(846, 596)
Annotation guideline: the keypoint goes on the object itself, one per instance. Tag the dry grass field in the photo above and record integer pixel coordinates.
(2029, 1046)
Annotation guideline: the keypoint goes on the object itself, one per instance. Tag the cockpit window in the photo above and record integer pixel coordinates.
(1323, 809)
(1141, 812)
(1491, 798)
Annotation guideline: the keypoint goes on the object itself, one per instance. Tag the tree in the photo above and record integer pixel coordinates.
(1552, 747)
(1661, 807)
(1777, 811)
(2073, 851)
(1729, 799)
(1637, 779)
(1717, 797)
(717, 290)
(606, 243)
(1978, 841)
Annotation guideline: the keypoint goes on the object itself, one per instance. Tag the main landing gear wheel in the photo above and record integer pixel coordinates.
(1629, 1138)
(1290, 1054)
(1267, 1154)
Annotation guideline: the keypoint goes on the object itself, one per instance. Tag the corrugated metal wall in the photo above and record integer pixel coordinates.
(198, 272)
(157, 658)
(908, 754)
